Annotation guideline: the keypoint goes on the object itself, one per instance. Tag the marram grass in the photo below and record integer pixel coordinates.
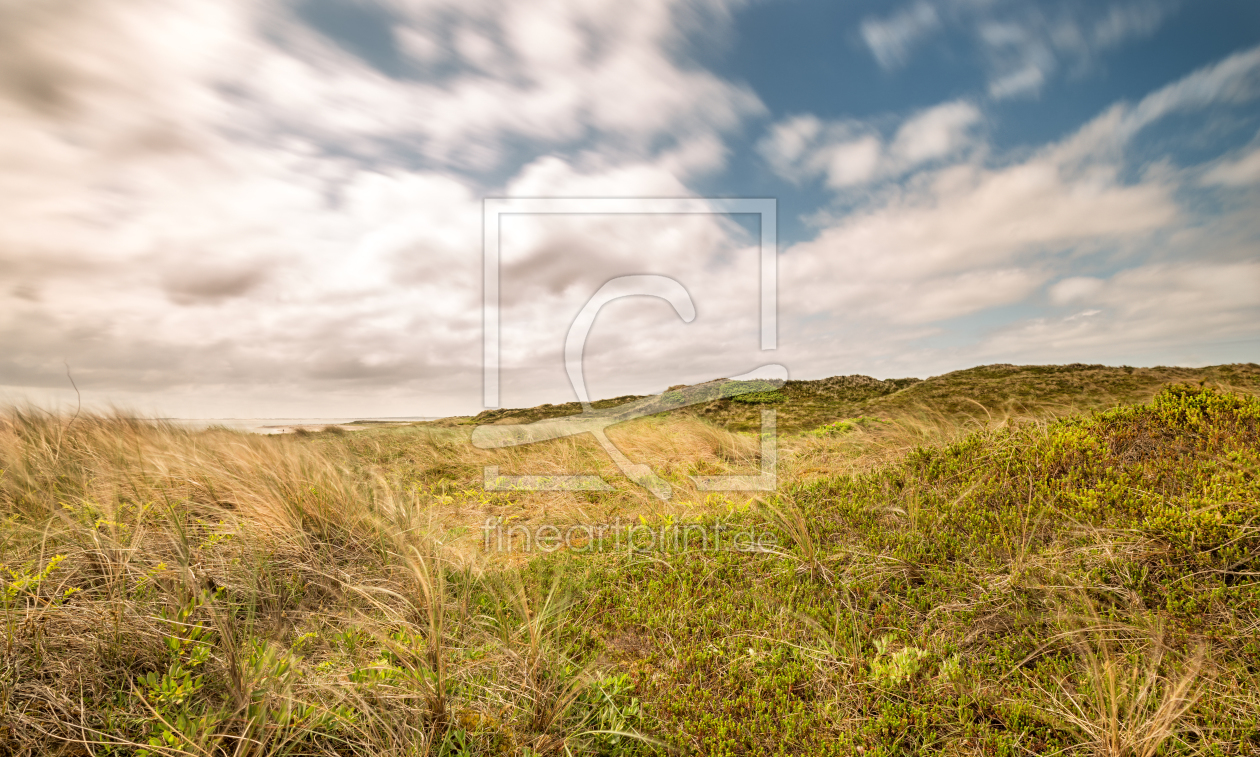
(1013, 585)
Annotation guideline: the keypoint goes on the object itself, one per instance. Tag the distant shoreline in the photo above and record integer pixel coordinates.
(289, 425)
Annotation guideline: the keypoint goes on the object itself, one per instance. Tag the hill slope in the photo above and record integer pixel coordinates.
(975, 392)
(1086, 586)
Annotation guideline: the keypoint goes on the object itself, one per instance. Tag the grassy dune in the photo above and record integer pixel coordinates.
(997, 561)
(976, 394)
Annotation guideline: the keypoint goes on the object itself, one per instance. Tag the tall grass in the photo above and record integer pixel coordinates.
(1130, 691)
(168, 592)
(214, 592)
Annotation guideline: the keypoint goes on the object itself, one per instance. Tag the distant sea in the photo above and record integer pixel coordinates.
(282, 425)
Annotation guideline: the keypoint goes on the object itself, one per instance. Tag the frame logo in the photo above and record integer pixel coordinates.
(595, 422)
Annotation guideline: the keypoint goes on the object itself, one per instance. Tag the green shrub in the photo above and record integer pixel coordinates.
(761, 398)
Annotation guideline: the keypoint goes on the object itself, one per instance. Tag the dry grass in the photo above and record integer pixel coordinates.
(805, 548)
(220, 593)
(1130, 691)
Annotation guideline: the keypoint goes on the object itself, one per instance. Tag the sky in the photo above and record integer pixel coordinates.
(232, 208)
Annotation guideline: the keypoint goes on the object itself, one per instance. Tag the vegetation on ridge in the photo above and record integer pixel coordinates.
(934, 582)
(975, 393)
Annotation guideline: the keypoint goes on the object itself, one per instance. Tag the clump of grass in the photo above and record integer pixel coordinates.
(532, 629)
(806, 549)
(1124, 703)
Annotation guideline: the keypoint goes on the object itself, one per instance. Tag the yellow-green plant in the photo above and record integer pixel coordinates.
(891, 669)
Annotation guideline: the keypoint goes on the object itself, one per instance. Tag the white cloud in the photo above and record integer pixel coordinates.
(1180, 309)
(211, 203)
(551, 265)
(418, 44)
(478, 51)
(1074, 289)
(852, 153)
(1025, 81)
(969, 220)
(1234, 80)
(1238, 172)
(1023, 43)
(848, 164)
(1021, 58)
(788, 142)
(554, 73)
(694, 157)
(891, 39)
(215, 195)
(872, 289)
(1188, 295)
(941, 298)
(1130, 21)
(1231, 81)
(936, 133)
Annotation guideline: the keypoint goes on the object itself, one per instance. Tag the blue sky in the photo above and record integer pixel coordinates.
(218, 209)
(811, 57)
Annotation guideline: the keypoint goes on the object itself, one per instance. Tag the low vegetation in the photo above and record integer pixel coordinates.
(994, 569)
(982, 394)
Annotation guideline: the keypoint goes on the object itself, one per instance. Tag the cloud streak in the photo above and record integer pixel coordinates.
(219, 208)
(1023, 43)
(220, 195)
